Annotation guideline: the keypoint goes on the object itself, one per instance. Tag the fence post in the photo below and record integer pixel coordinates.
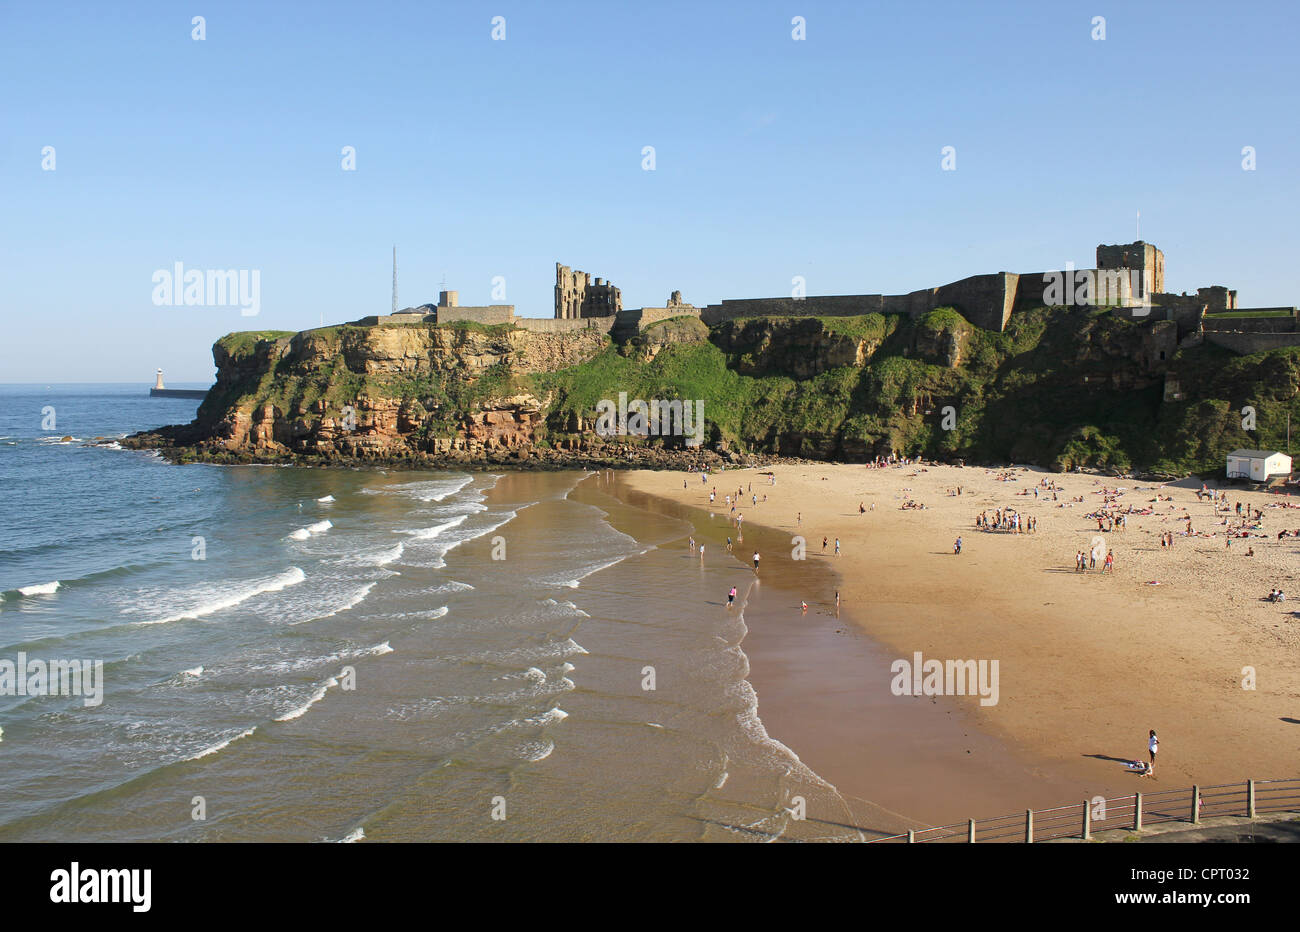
(1087, 821)
(1137, 812)
(970, 832)
(1029, 826)
(1250, 799)
(1196, 804)
(911, 836)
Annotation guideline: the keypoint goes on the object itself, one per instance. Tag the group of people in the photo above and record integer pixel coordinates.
(1006, 520)
(1085, 560)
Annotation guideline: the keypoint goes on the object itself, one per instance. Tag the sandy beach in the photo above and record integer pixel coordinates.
(1089, 661)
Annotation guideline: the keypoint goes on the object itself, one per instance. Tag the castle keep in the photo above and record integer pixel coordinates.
(1129, 278)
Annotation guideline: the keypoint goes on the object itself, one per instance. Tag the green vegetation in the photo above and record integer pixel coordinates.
(240, 344)
(1059, 388)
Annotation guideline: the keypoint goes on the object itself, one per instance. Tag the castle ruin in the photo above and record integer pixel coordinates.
(1129, 279)
(577, 296)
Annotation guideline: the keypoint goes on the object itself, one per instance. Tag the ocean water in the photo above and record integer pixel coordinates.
(294, 654)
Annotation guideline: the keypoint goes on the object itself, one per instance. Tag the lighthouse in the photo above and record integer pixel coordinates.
(158, 391)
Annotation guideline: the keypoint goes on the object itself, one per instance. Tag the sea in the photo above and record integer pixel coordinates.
(295, 654)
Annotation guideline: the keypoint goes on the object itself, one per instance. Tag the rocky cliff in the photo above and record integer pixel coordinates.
(1060, 387)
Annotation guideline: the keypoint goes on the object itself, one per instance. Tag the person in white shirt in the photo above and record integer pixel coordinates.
(1153, 745)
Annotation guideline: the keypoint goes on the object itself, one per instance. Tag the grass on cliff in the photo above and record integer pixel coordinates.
(1060, 388)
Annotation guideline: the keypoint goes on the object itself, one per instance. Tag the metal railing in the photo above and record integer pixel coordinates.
(1131, 813)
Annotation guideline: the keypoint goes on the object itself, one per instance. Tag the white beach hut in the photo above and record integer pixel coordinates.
(1258, 465)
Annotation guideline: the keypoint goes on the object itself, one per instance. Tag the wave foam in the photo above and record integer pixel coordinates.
(357, 598)
(316, 697)
(221, 745)
(290, 577)
(429, 533)
(48, 588)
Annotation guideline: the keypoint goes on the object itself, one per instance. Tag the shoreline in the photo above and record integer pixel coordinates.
(911, 765)
(1085, 671)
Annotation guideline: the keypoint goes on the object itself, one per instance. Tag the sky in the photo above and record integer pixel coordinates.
(483, 158)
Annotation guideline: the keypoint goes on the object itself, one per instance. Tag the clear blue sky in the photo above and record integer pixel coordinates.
(480, 158)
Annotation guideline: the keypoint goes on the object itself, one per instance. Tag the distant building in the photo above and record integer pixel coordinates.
(1258, 465)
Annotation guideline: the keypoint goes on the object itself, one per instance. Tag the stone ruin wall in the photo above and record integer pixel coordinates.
(578, 295)
(1253, 324)
(490, 314)
(1247, 343)
(984, 300)
(565, 325)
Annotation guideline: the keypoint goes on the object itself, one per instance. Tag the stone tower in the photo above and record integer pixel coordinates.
(1140, 256)
(577, 295)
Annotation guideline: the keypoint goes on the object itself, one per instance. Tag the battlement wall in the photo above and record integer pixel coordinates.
(812, 306)
(1271, 320)
(649, 315)
(1247, 343)
(564, 324)
(489, 314)
(985, 300)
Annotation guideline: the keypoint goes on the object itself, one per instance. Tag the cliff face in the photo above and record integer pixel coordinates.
(381, 392)
(1059, 387)
(801, 347)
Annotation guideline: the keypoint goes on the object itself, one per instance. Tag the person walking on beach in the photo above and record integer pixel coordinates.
(755, 562)
(837, 546)
(837, 601)
(799, 518)
(731, 598)
(1153, 745)
(956, 546)
(825, 541)
(701, 553)
(803, 607)
(728, 545)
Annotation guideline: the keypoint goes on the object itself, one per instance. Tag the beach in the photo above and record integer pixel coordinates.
(1089, 661)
